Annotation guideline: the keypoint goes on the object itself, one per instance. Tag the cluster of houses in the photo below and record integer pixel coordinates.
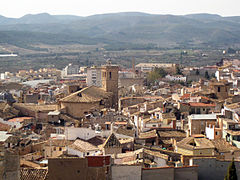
(111, 130)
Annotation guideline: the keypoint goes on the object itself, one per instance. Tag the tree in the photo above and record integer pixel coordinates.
(178, 71)
(231, 173)
(156, 74)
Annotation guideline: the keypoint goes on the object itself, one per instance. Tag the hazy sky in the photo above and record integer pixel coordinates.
(18, 8)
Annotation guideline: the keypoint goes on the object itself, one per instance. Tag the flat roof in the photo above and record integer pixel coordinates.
(203, 116)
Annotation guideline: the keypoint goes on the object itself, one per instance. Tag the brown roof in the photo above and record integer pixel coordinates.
(192, 143)
(88, 94)
(33, 174)
(185, 96)
(4, 127)
(58, 142)
(199, 104)
(156, 153)
(11, 85)
(36, 107)
(168, 116)
(83, 146)
(7, 111)
(223, 146)
(233, 106)
(124, 131)
(96, 141)
(149, 134)
(171, 134)
(25, 163)
(20, 119)
(234, 133)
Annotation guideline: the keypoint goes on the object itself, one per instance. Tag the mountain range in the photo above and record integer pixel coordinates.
(128, 29)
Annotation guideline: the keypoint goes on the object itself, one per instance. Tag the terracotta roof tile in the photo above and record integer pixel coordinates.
(198, 104)
(192, 143)
(33, 174)
(223, 146)
(83, 146)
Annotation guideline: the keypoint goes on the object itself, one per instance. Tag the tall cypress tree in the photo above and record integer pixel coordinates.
(231, 173)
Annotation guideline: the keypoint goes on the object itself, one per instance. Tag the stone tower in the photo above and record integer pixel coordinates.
(110, 81)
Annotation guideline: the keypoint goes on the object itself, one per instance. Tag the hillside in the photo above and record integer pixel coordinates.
(131, 29)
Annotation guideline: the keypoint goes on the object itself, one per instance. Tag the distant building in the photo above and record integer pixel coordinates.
(94, 76)
(176, 78)
(147, 67)
(70, 69)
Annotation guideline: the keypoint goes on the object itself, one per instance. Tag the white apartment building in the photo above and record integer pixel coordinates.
(94, 76)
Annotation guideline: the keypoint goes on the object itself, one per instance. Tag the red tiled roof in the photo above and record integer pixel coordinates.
(4, 127)
(198, 104)
(185, 96)
(19, 119)
(203, 97)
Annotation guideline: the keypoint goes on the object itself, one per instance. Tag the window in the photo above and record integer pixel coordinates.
(87, 153)
(101, 102)
(110, 75)
(60, 149)
(198, 111)
(219, 89)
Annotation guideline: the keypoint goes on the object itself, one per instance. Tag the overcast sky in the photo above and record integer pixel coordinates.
(18, 8)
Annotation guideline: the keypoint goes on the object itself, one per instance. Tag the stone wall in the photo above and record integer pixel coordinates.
(10, 166)
(170, 173)
(158, 173)
(186, 173)
(76, 168)
(212, 168)
(121, 172)
(77, 110)
(126, 82)
(125, 102)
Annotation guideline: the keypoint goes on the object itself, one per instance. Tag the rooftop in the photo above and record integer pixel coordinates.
(223, 146)
(203, 116)
(171, 133)
(155, 65)
(233, 106)
(20, 119)
(233, 133)
(86, 95)
(192, 143)
(83, 146)
(36, 107)
(149, 134)
(156, 154)
(32, 174)
(199, 104)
